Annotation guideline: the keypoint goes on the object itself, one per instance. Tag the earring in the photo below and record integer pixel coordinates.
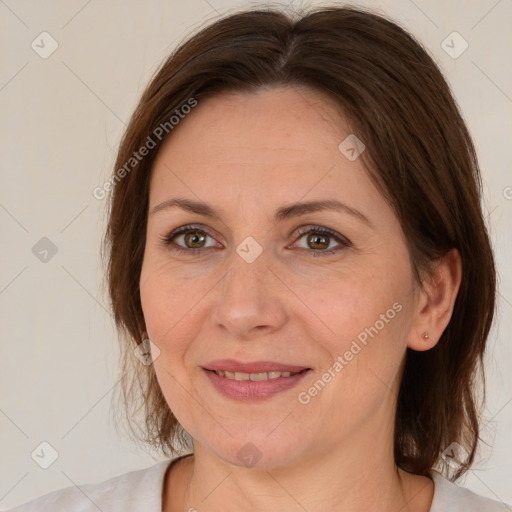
(425, 335)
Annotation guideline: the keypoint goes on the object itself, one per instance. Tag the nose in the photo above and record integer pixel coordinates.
(251, 299)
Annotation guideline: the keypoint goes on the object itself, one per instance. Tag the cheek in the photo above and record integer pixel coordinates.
(170, 307)
(169, 302)
(348, 304)
(364, 320)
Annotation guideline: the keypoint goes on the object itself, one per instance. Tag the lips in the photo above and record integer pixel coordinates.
(233, 366)
(254, 386)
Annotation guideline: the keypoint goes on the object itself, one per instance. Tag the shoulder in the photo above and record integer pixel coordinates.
(450, 497)
(132, 491)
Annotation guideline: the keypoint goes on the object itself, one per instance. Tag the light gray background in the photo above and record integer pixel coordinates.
(62, 119)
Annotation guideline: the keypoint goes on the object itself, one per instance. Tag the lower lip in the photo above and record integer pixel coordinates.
(249, 390)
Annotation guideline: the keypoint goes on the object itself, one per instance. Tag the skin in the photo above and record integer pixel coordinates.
(248, 154)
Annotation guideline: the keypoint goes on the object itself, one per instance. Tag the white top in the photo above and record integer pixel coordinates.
(141, 491)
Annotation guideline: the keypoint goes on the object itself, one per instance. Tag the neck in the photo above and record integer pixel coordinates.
(353, 478)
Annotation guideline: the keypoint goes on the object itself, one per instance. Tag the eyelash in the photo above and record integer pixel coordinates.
(319, 230)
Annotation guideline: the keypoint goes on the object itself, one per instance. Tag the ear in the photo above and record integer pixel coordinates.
(435, 304)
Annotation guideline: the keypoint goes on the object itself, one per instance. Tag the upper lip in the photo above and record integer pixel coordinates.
(231, 365)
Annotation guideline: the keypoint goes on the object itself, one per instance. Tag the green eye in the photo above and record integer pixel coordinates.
(320, 236)
(194, 239)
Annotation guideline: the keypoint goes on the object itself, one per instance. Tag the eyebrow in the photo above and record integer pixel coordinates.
(282, 213)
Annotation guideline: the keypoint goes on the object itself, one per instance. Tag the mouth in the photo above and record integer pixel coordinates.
(259, 376)
(229, 366)
(253, 381)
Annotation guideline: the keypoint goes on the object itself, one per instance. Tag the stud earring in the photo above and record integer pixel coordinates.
(425, 335)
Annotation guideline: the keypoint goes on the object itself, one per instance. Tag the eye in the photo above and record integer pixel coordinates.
(320, 238)
(194, 238)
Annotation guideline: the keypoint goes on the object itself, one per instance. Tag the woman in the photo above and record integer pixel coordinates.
(301, 271)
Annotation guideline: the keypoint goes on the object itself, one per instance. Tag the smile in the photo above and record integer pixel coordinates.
(254, 376)
(246, 386)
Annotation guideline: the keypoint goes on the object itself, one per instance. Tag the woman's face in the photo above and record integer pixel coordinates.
(275, 289)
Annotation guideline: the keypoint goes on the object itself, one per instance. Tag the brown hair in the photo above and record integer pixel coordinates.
(418, 153)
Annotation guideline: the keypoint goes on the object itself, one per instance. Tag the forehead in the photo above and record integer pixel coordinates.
(280, 119)
(275, 145)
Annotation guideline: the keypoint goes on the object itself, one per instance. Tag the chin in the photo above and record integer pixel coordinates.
(259, 452)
